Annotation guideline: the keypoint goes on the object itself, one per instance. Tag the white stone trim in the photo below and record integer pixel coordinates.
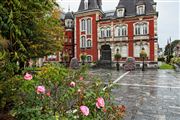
(141, 22)
(85, 18)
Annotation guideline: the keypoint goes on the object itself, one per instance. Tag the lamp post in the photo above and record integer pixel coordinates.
(83, 58)
(65, 58)
(143, 55)
(117, 57)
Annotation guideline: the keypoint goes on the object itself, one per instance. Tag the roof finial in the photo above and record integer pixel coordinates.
(68, 8)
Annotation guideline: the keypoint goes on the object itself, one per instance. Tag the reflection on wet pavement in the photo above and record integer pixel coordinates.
(148, 95)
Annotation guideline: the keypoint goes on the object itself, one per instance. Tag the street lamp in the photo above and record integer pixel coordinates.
(117, 57)
(143, 56)
(83, 58)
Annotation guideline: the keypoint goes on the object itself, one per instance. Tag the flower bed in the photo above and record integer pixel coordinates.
(59, 93)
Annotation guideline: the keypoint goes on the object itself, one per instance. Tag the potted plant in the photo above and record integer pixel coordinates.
(143, 56)
(83, 58)
(117, 57)
(65, 58)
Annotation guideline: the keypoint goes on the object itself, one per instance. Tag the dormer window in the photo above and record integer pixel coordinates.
(154, 7)
(120, 12)
(140, 9)
(85, 4)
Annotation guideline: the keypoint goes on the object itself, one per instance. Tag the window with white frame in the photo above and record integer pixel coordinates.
(124, 51)
(108, 32)
(141, 29)
(83, 25)
(89, 58)
(121, 31)
(86, 4)
(137, 50)
(120, 12)
(102, 32)
(89, 26)
(68, 23)
(83, 42)
(89, 43)
(140, 9)
(146, 48)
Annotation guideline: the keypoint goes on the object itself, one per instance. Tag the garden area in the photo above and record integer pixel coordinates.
(58, 93)
(30, 30)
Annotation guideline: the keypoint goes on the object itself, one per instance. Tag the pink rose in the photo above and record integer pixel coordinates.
(100, 102)
(48, 93)
(40, 89)
(72, 84)
(81, 78)
(84, 110)
(28, 76)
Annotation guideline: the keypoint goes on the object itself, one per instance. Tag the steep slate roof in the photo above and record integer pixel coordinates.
(92, 4)
(69, 15)
(130, 6)
(108, 14)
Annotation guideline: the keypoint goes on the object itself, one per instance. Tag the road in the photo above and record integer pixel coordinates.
(150, 95)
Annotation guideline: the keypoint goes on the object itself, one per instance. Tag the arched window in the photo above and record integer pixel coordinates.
(121, 31)
(89, 58)
(137, 50)
(89, 26)
(83, 25)
(69, 23)
(83, 42)
(102, 33)
(124, 51)
(141, 29)
(89, 43)
(108, 32)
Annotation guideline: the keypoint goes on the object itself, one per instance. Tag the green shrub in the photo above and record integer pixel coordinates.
(83, 57)
(166, 66)
(175, 60)
(162, 59)
(117, 56)
(65, 91)
(168, 60)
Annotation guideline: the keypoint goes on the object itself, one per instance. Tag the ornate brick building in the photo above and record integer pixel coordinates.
(99, 34)
(127, 29)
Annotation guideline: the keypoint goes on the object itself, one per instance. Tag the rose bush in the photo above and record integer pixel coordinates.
(57, 93)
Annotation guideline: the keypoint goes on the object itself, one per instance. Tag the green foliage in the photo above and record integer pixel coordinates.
(175, 60)
(64, 101)
(169, 57)
(66, 57)
(170, 47)
(117, 56)
(31, 28)
(166, 66)
(83, 57)
(162, 59)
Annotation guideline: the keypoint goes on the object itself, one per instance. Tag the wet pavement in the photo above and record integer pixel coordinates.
(148, 95)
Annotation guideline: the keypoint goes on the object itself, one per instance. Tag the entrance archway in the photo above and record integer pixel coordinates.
(106, 53)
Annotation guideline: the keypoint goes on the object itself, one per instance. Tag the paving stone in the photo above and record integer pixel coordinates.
(148, 95)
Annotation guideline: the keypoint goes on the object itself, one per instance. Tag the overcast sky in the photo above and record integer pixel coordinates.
(168, 20)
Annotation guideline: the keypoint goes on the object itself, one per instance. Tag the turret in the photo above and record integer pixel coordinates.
(69, 18)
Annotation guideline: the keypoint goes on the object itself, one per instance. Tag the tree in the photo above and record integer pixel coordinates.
(32, 28)
(169, 50)
(169, 47)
